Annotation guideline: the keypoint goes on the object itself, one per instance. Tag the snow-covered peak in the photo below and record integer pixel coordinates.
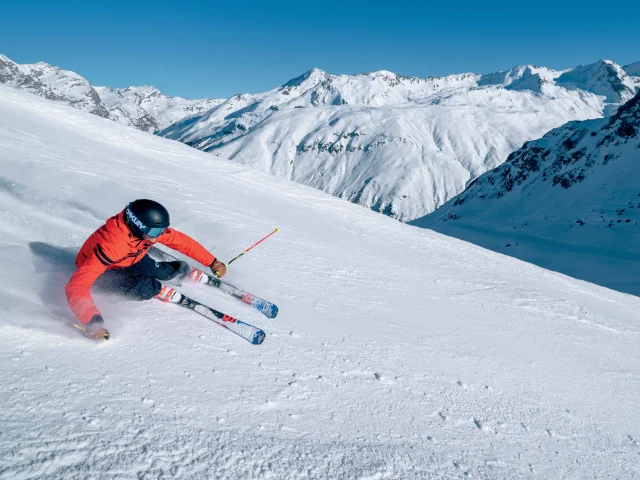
(141, 93)
(311, 77)
(144, 108)
(52, 83)
(523, 77)
(142, 90)
(51, 74)
(604, 78)
(382, 73)
(317, 87)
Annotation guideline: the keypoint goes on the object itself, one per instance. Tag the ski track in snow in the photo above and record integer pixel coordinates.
(397, 353)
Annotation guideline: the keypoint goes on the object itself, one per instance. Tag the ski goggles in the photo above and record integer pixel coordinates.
(152, 232)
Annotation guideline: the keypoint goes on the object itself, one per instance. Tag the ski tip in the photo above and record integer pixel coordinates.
(258, 337)
(269, 310)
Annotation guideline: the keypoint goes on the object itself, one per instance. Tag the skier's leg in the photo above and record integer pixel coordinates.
(148, 267)
(129, 284)
(143, 288)
(140, 281)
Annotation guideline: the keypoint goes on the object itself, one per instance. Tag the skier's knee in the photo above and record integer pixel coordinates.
(177, 268)
(170, 270)
(145, 288)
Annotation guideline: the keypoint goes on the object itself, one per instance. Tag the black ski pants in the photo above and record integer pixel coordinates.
(140, 281)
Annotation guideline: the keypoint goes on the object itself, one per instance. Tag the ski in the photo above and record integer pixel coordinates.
(268, 309)
(265, 307)
(245, 330)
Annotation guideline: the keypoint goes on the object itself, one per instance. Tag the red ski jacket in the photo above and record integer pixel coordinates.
(114, 246)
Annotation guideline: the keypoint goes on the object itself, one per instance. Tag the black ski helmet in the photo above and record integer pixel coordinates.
(146, 217)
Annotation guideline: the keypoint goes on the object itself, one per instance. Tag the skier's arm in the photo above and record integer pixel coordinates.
(79, 290)
(185, 244)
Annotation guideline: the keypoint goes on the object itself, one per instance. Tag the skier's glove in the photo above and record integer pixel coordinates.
(218, 268)
(95, 329)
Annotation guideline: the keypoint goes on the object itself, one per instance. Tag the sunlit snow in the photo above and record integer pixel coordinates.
(398, 352)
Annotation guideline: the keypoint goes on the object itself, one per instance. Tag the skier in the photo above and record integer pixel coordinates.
(117, 253)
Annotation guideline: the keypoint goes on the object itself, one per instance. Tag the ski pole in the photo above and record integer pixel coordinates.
(247, 250)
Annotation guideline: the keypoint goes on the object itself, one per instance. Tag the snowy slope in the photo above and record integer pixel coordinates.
(144, 108)
(397, 353)
(569, 201)
(400, 145)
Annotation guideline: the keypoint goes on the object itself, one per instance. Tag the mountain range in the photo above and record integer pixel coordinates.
(399, 145)
(402, 146)
(144, 108)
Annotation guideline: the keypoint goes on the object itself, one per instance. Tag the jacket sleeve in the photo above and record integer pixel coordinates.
(79, 289)
(186, 245)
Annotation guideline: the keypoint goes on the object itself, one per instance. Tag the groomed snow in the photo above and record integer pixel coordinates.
(397, 353)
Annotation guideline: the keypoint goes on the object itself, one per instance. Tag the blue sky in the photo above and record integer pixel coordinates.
(216, 49)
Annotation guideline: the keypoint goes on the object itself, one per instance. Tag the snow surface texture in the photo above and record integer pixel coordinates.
(144, 108)
(397, 353)
(568, 202)
(400, 145)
